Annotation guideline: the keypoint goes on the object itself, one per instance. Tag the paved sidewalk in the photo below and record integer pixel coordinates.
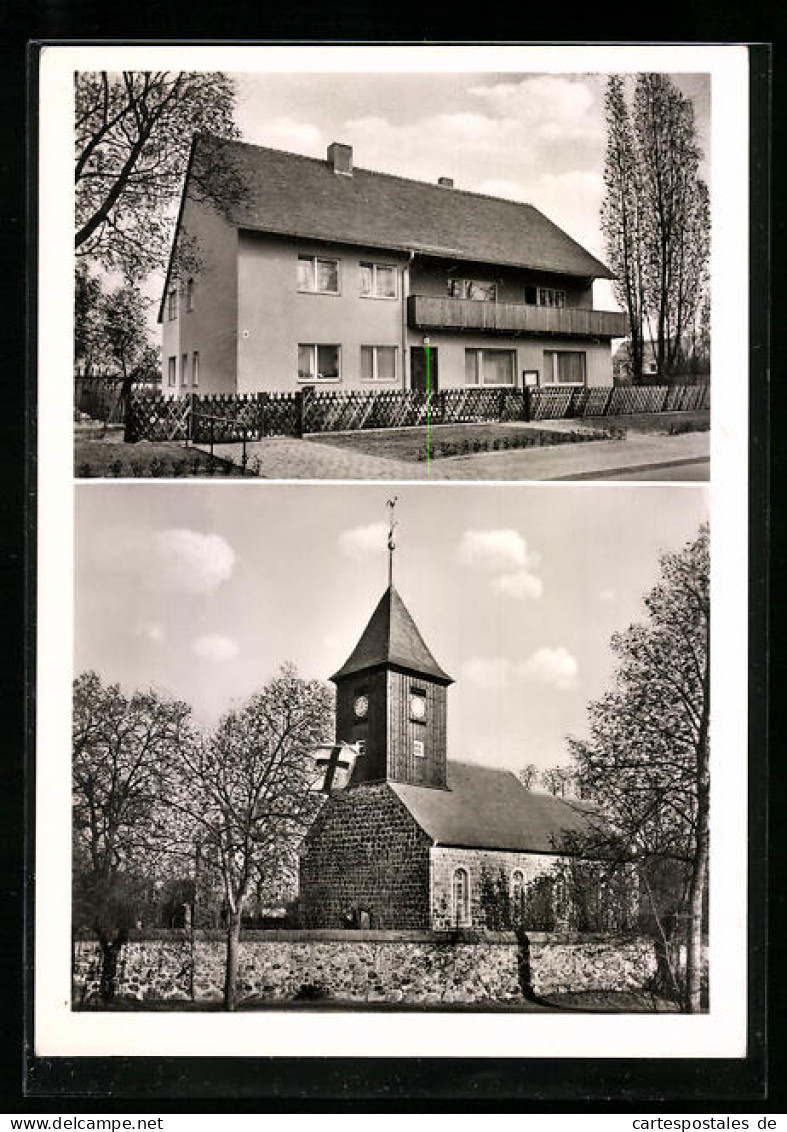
(288, 458)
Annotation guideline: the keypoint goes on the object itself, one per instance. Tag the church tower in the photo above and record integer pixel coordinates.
(391, 698)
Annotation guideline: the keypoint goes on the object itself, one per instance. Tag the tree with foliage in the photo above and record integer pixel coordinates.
(122, 754)
(528, 775)
(122, 331)
(246, 793)
(133, 132)
(646, 760)
(87, 298)
(655, 217)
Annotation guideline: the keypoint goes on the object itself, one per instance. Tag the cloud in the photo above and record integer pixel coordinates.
(359, 542)
(174, 560)
(520, 585)
(487, 672)
(152, 633)
(295, 137)
(552, 666)
(215, 647)
(495, 550)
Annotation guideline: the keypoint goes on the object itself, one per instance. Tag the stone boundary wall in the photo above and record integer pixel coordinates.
(365, 966)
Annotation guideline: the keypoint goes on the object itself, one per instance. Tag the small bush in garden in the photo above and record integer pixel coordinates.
(156, 467)
(137, 468)
(85, 470)
(116, 468)
(311, 992)
(196, 467)
(179, 468)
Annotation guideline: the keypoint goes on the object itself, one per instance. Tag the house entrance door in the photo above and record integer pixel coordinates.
(419, 372)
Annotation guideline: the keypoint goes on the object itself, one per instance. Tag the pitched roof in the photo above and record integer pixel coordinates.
(292, 195)
(488, 808)
(391, 637)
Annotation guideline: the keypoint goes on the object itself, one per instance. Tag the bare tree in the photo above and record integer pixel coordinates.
(122, 753)
(647, 757)
(133, 133)
(558, 780)
(246, 793)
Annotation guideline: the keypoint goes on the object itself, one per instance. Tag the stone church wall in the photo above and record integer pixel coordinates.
(365, 966)
(445, 862)
(365, 851)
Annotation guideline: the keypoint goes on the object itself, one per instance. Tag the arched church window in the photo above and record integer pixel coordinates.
(460, 891)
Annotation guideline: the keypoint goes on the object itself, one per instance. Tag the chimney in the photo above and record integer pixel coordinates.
(340, 158)
(446, 182)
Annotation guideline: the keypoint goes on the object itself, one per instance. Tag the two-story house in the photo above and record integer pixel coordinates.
(319, 273)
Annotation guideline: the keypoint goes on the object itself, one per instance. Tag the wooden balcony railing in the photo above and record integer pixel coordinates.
(427, 312)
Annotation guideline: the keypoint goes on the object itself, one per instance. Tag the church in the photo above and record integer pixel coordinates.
(406, 834)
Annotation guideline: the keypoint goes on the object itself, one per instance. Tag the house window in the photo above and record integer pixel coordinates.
(190, 295)
(489, 367)
(564, 367)
(549, 297)
(184, 369)
(195, 369)
(378, 363)
(172, 365)
(460, 897)
(378, 281)
(318, 276)
(472, 289)
(418, 748)
(172, 305)
(517, 887)
(318, 363)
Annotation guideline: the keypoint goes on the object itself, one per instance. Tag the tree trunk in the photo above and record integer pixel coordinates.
(699, 875)
(233, 947)
(110, 953)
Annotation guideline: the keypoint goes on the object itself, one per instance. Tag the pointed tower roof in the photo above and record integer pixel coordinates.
(392, 638)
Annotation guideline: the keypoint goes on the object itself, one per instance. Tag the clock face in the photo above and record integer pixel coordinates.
(417, 707)
(361, 706)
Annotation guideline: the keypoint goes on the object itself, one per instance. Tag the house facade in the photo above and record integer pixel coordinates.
(316, 273)
(410, 839)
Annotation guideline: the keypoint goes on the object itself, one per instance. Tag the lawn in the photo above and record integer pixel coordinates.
(111, 457)
(606, 1002)
(409, 444)
(671, 424)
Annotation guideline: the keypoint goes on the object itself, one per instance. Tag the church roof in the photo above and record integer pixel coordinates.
(293, 195)
(392, 638)
(489, 808)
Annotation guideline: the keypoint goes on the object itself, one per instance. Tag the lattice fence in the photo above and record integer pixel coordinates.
(101, 396)
(227, 416)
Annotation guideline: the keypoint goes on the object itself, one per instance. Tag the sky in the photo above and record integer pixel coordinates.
(203, 590)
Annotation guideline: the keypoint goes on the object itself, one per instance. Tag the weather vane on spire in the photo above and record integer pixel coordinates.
(391, 503)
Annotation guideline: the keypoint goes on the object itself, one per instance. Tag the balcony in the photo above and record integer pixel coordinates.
(427, 312)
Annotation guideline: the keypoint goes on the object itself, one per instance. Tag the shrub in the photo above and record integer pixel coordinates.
(85, 470)
(156, 467)
(137, 468)
(311, 992)
(116, 468)
(179, 467)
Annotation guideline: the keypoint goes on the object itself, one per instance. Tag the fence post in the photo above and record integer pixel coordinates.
(129, 431)
(525, 402)
(300, 410)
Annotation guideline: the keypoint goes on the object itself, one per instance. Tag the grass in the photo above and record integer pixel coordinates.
(111, 457)
(409, 444)
(671, 424)
(595, 1002)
